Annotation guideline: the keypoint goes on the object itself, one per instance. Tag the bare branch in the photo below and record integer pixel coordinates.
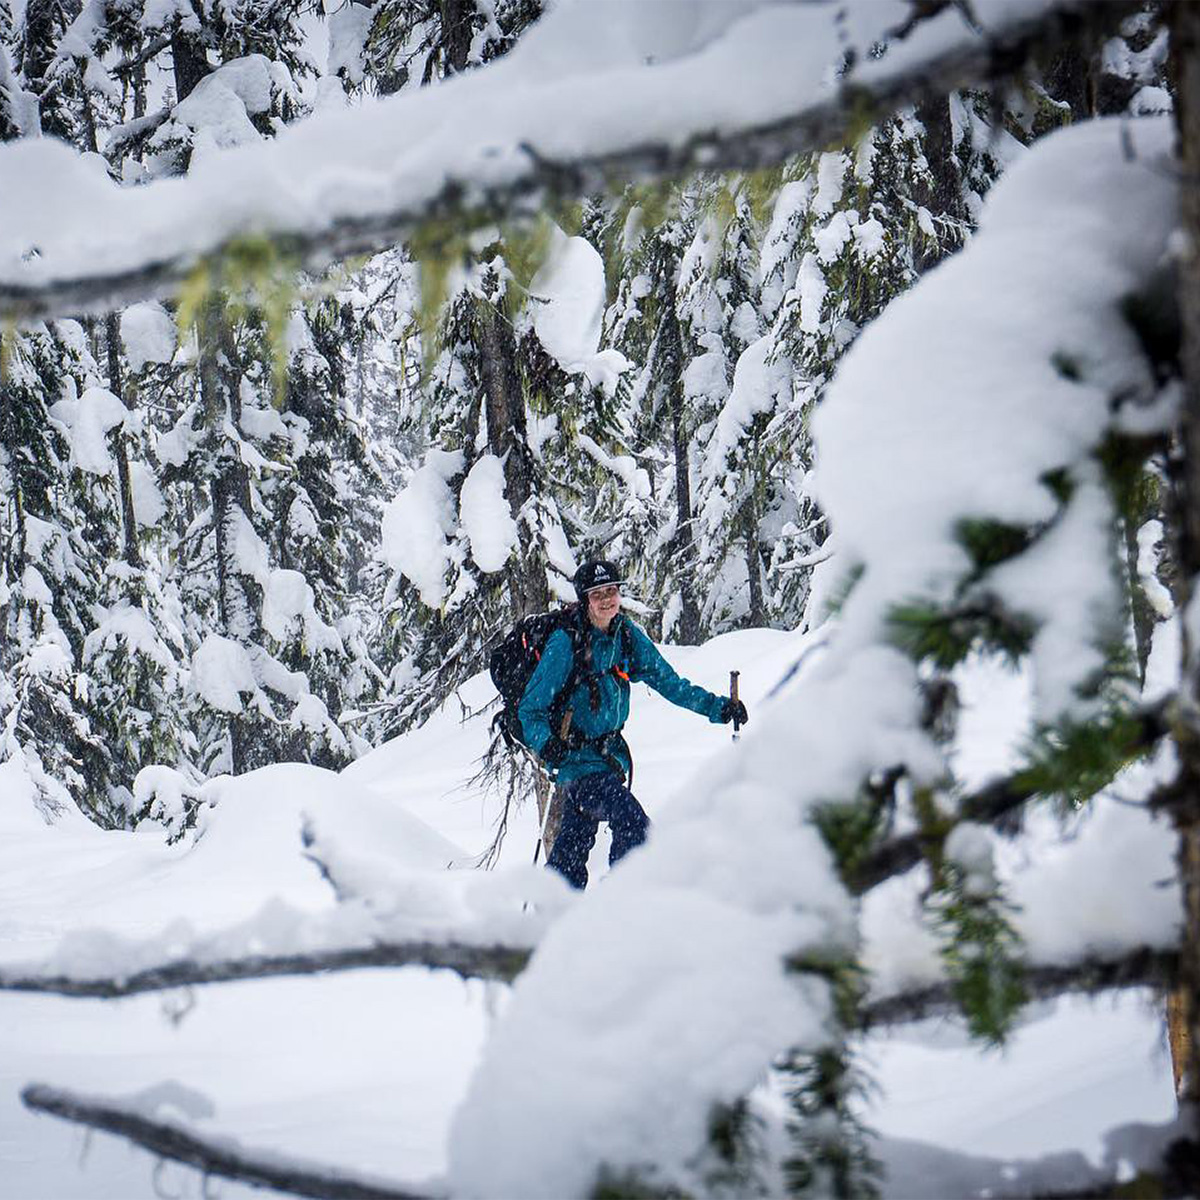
(503, 963)
(472, 196)
(1143, 967)
(223, 1157)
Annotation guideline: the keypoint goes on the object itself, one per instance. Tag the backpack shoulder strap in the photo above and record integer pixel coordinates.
(627, 641)
(568, 621)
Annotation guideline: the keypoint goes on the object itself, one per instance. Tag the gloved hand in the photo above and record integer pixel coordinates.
(554, 751)
(734, 710)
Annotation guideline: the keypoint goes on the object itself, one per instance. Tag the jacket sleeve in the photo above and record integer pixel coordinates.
(542, 689)
(650, 667)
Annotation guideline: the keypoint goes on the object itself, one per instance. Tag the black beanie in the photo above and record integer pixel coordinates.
(596, 574)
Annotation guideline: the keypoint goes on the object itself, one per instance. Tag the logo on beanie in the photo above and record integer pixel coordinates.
(595, 575)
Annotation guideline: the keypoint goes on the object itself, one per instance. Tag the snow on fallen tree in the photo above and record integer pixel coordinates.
(390, 914)
(1118, 932)
(140, 1120)
(717, 86)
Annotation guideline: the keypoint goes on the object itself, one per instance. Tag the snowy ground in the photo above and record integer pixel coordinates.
(365, 1068)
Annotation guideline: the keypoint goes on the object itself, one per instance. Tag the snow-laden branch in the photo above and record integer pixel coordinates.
(223, 1157)
(478, 925)
(1146, 966)
(503, 963)
(732, 87)
(991, 805)
(738, 860)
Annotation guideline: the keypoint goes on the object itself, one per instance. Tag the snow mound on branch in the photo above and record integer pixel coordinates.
(222, 103)
(148, 504)
(758, 386)
(1114, 865)
(222, 673)
(247, 551)
(96, 415)
(20, 810)
(148, 332)
(568, 296)
(289, 604)
(568, 300)
(174, 446)
(49, 659)
(486, 515)
(349, 25)
(671, 71)
(128, 625)
(417, 523)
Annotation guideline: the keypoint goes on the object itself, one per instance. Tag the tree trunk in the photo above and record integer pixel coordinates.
(457, 33)
(1185, 801)
(943, 196)
(758, 612)
(128, 515)
(1141, 613)
(683, 547)
(12, 551)
(89, 113)
(189, 61)
(504, 402)
(139, 91)
(220, 395)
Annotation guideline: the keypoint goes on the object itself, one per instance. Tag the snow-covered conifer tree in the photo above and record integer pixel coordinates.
(645, 240)
(50, 569)
(739, 388)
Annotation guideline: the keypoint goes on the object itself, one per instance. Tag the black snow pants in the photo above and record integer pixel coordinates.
(586, 802)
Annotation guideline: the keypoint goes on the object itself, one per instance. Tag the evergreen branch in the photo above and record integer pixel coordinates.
(133, 61)
(503, 963)
(469, 198)
(222, 1157)
(901, 854)
(992, 805)
(1143, 967)
(139, 128)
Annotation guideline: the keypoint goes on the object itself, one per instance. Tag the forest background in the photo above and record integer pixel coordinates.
(282, 516)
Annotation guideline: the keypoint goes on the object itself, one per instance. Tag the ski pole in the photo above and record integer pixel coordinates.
(733, 696)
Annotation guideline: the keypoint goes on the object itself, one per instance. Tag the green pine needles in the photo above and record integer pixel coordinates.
(1072, 761)
(944, 637)
(831, 1146)
(981, 951)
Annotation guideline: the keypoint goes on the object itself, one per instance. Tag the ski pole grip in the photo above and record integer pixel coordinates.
(733, 696)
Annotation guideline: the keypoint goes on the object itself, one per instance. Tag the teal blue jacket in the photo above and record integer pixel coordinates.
(642, 664)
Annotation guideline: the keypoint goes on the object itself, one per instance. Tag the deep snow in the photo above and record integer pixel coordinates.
(366, 1068)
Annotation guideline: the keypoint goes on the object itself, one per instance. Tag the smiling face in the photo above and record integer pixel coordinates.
(603, 604)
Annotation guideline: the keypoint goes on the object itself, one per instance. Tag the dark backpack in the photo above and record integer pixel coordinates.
(512, 663)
